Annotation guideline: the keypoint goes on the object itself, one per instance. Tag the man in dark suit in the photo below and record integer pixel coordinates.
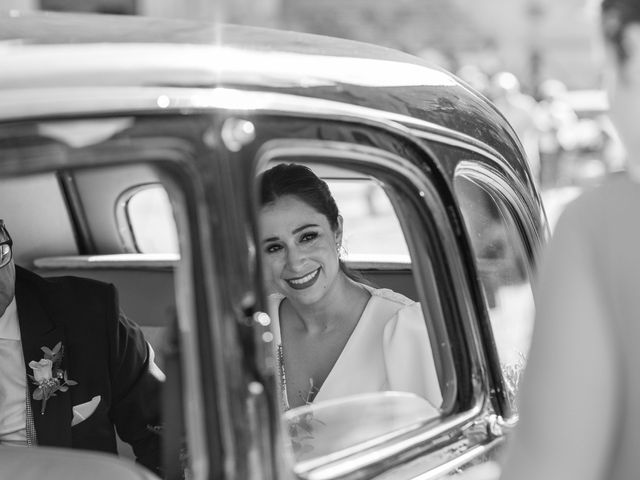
(82, 366)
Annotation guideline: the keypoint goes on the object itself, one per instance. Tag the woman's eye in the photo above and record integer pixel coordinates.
(272, 248)
(307, 237)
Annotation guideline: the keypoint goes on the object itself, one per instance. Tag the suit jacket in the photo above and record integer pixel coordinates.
(104, 352)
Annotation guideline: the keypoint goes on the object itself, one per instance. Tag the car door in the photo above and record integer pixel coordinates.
(222, 379)
(443, 270)
(60, 180)
(507, 228)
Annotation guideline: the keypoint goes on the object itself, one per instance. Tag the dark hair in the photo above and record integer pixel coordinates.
(616, 15)
(300, 181)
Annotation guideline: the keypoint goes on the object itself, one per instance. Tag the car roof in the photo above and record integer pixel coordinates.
(49, 50)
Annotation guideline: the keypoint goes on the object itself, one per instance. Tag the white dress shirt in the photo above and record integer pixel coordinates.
(13, 380)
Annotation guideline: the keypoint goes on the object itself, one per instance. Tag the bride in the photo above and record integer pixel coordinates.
(335, 335)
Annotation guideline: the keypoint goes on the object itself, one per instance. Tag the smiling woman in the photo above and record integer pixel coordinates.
(336, 335)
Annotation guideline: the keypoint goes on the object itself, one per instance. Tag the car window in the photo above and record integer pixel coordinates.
(378, 225)
(504, 271)
(148, 216)
(365, 208)
(146, 212)
(46, 211)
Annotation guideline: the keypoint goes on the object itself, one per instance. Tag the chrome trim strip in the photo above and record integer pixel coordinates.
(170, 260)
(501, 185)
(463, 459)
(332, 468)
(115, 261)
(123, 222)
(22, 104)
(378, 266)
(193, 409)
(471, 144)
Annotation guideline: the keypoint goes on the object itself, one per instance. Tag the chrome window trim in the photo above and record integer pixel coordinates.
(136, 261)
(360, 461)
(498, 186)
(193, 410)
(123, 219)
(358, 457)
(473, 145)
(22, 104)
(455, 464)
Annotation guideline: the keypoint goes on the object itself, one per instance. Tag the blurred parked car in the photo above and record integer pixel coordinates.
(129, 150)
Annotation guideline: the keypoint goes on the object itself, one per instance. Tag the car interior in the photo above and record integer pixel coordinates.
(115, 223)
(98, 205)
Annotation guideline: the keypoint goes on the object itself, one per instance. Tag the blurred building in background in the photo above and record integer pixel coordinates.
(534, 39)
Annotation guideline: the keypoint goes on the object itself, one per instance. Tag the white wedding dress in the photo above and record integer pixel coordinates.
(389, 350)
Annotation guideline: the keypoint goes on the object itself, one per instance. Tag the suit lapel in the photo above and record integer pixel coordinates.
(53, 427)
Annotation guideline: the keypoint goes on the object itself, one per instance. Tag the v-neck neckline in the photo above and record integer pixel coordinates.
(340, 358)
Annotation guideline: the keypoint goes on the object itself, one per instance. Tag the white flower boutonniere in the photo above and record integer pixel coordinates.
(48, 375)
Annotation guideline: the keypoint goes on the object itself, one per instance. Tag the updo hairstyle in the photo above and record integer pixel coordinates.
(300, 182)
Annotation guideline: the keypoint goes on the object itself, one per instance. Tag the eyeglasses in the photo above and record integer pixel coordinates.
(6, 245)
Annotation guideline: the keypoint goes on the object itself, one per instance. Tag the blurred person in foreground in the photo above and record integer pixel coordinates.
(72, 366)
(580, 400)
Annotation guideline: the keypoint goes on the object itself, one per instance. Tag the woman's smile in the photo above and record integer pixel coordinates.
(301, 283)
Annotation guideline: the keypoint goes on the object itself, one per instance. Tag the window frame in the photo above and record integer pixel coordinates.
(495, 183)
(421, 180)
(194, 298)
(124, 221)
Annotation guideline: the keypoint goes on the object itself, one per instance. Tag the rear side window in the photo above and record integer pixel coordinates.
(147, 216)
(504, 271)
(365, 207)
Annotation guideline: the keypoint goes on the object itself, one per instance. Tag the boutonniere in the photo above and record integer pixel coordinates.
(48, 375)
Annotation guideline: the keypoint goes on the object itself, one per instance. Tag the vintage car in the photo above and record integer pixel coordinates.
(129, 153)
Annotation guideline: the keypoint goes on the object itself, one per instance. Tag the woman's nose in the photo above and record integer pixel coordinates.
(295, 258)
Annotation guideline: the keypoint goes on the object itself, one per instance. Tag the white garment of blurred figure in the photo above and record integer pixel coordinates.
(580, 397)
(520, 110)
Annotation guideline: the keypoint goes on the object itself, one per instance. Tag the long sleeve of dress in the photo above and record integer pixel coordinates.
(408, 357)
